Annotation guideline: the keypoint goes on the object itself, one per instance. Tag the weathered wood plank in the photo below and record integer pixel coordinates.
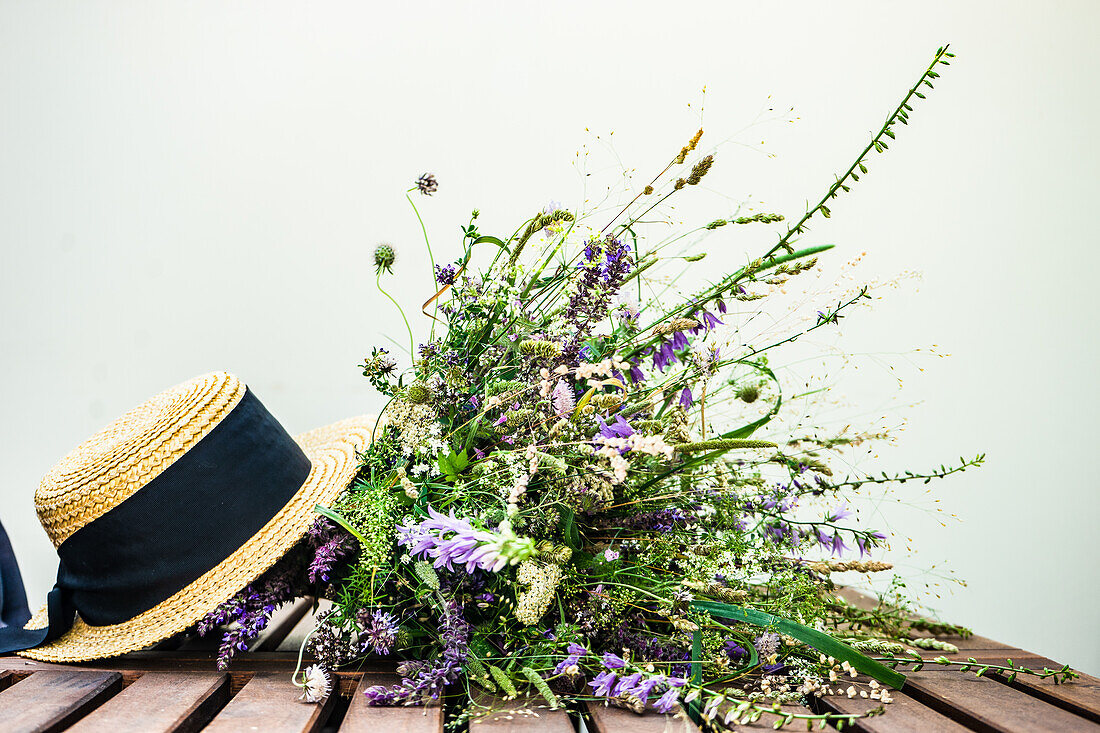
(282, 623)
(292, 642)
(516, 716)
(1080, 697)
(7, 679)
(54, 699)
(362, 718)
(269, 703)
(609, 719)
(990, 705)
(160, 701)
(244, 666)
(903, 715)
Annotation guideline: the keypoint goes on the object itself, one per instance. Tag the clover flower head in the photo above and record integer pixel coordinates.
(316, 684)
(427, 184)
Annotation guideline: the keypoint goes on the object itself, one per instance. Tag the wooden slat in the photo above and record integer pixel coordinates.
(160, 701)
(903, 715)
(269, 703)
(297, 634)
(54, 699)
(522, 714)
(609, 719)
(362, 718)
(7, 679)
(1080, 697)
(988, 705)
(244, 666)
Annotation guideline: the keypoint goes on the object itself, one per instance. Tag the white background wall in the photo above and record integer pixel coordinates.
(195, 186)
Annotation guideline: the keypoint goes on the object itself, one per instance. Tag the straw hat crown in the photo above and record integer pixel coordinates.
(108, 468)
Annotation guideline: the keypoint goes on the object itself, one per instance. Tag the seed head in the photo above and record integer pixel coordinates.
(700, 170)
(689, 147)
(384, 257)
(749, 393)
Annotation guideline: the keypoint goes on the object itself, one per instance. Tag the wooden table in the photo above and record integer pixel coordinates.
(180, 691)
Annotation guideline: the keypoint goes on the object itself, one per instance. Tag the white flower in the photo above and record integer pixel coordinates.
(317, 685)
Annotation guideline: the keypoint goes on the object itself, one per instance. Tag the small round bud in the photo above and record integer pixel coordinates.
(384, 257)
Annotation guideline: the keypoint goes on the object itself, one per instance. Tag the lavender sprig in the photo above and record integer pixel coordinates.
(422, 681)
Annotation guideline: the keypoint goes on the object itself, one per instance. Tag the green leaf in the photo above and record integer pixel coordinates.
(324, 511)
(452, 464)
(820, 641)
(569, 529)
(697, 656)
(487, 239)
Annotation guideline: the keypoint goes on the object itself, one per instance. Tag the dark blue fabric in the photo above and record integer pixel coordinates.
(13, 599)
(195, 514)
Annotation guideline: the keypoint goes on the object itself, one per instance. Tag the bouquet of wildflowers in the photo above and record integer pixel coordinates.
(576, 490)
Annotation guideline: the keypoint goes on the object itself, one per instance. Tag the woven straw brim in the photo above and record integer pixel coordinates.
(333, 453)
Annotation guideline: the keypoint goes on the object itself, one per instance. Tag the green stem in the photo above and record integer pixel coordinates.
(877, 143)
(378, 283)
(428, 244)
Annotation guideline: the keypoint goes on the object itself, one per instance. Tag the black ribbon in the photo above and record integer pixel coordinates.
(13, 599)
(186, 521)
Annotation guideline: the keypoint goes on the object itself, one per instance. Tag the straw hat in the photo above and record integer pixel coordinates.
(174, 507)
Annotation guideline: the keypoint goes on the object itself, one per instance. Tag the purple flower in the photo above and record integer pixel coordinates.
(620, 428)
(861, 543)
(838, 544)
(679, 341)
(628, 684)
(330, 543)
(686, 400)
(602, 272)
(721, 305)
(865, 542)
(610, 555)
(613, 661)
(636, 374)
(710, 320)
(662, 520)
(379, 631)
(644, 688)
(734, 650)
(603, 683)
(668, 700)
(454, 541)
(445, 275)
(841, 512)
(327, 556)
(576, 651)
(250, 609)
(421, 680)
